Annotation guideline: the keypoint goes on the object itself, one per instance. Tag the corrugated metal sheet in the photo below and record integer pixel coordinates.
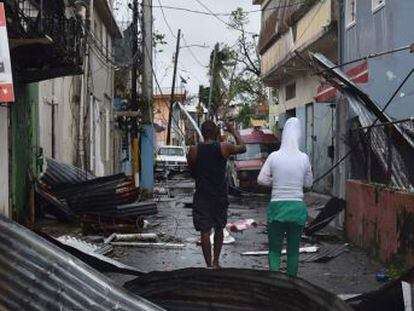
(233, 289)
(58, 173)
(36, 275)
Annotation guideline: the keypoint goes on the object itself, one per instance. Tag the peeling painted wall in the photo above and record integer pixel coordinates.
(381, 220)
(388, 28)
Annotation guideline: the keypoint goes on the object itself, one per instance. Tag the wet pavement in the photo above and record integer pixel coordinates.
(352, 272)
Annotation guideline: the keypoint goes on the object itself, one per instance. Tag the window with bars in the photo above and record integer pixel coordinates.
(350, 12)
(290, 91)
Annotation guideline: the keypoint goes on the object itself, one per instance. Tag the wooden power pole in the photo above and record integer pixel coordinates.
(177, 50)
(134, 97)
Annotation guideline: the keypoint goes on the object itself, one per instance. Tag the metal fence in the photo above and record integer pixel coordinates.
(381, 157)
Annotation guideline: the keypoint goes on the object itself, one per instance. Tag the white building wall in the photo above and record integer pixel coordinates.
(4, 163)
(102, 132)
(60, 93)
(306, 87)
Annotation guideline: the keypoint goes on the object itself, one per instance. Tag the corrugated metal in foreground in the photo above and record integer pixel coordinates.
(233, 289)
(36, 275)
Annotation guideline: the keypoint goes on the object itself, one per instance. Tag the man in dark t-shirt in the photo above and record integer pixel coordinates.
(207, 163)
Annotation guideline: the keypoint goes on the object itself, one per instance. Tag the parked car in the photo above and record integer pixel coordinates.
(243, 169)
(171, 158)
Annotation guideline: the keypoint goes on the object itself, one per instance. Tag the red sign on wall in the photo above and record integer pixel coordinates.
(6, 78)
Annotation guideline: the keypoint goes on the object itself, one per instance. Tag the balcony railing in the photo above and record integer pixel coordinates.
(44, 42)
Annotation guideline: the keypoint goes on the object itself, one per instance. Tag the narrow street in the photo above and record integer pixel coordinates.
(352, 272)
(131, 130)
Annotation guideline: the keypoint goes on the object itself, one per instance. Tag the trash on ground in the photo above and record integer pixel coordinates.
(326, 253)
(96, 223)
(382, 277)
(227, 238)
(131, 237)
(85, 246)
(97, 261)
(241, 225)
(149, 244)
(332, 208)
(302, 250)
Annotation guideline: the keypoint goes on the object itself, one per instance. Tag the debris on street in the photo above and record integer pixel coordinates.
(87, 247)
(102, 203)
(97, 261)
(131, 237)
(241, 225)
(302, 250)
(332, 208)
(149, 244)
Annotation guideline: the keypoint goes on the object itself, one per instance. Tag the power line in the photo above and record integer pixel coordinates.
(210, 13)
(161, 93)
(221, 20)
(165, 20)
(174, 36)
(192, 54)
(374, 55)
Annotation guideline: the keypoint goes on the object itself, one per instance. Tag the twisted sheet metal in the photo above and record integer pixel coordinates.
(36, 275)
(58, 173)
(233, 289)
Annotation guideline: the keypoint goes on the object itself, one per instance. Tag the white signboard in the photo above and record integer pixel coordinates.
(6, 78)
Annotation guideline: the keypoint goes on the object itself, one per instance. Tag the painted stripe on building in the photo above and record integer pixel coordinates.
(358, 74)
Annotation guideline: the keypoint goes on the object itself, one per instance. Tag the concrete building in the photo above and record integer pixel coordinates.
(161, 100)
(289, 30)
(379, 218)
(59, 111)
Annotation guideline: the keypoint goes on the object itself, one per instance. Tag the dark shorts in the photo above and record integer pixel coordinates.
(209, 212)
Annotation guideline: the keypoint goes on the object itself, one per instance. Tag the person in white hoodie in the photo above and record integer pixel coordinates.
(288, 171)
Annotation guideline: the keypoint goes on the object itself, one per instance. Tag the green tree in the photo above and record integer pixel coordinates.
(235, 71)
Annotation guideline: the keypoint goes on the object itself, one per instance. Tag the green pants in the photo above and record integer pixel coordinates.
(276, 233)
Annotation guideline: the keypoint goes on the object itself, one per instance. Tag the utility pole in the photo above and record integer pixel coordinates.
(147, 139)
(134, 99)
(177, 50)
(210, 94)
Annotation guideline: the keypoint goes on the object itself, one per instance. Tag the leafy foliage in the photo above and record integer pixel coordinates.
(235, 72)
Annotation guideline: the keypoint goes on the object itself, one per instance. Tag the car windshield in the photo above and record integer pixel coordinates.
(171, 151)
(256, 151)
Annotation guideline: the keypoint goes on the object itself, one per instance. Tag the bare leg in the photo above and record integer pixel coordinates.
(218, 244)
(206, 247)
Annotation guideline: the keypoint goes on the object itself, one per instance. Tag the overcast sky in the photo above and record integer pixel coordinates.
(196, 29)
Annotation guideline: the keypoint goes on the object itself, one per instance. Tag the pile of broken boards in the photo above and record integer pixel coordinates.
(101, 203)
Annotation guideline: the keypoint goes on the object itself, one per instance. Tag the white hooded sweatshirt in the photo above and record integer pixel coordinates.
(287, 170)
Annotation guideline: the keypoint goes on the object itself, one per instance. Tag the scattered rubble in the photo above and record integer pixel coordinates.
(307, 249)
(85, 246)
(331, 209)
